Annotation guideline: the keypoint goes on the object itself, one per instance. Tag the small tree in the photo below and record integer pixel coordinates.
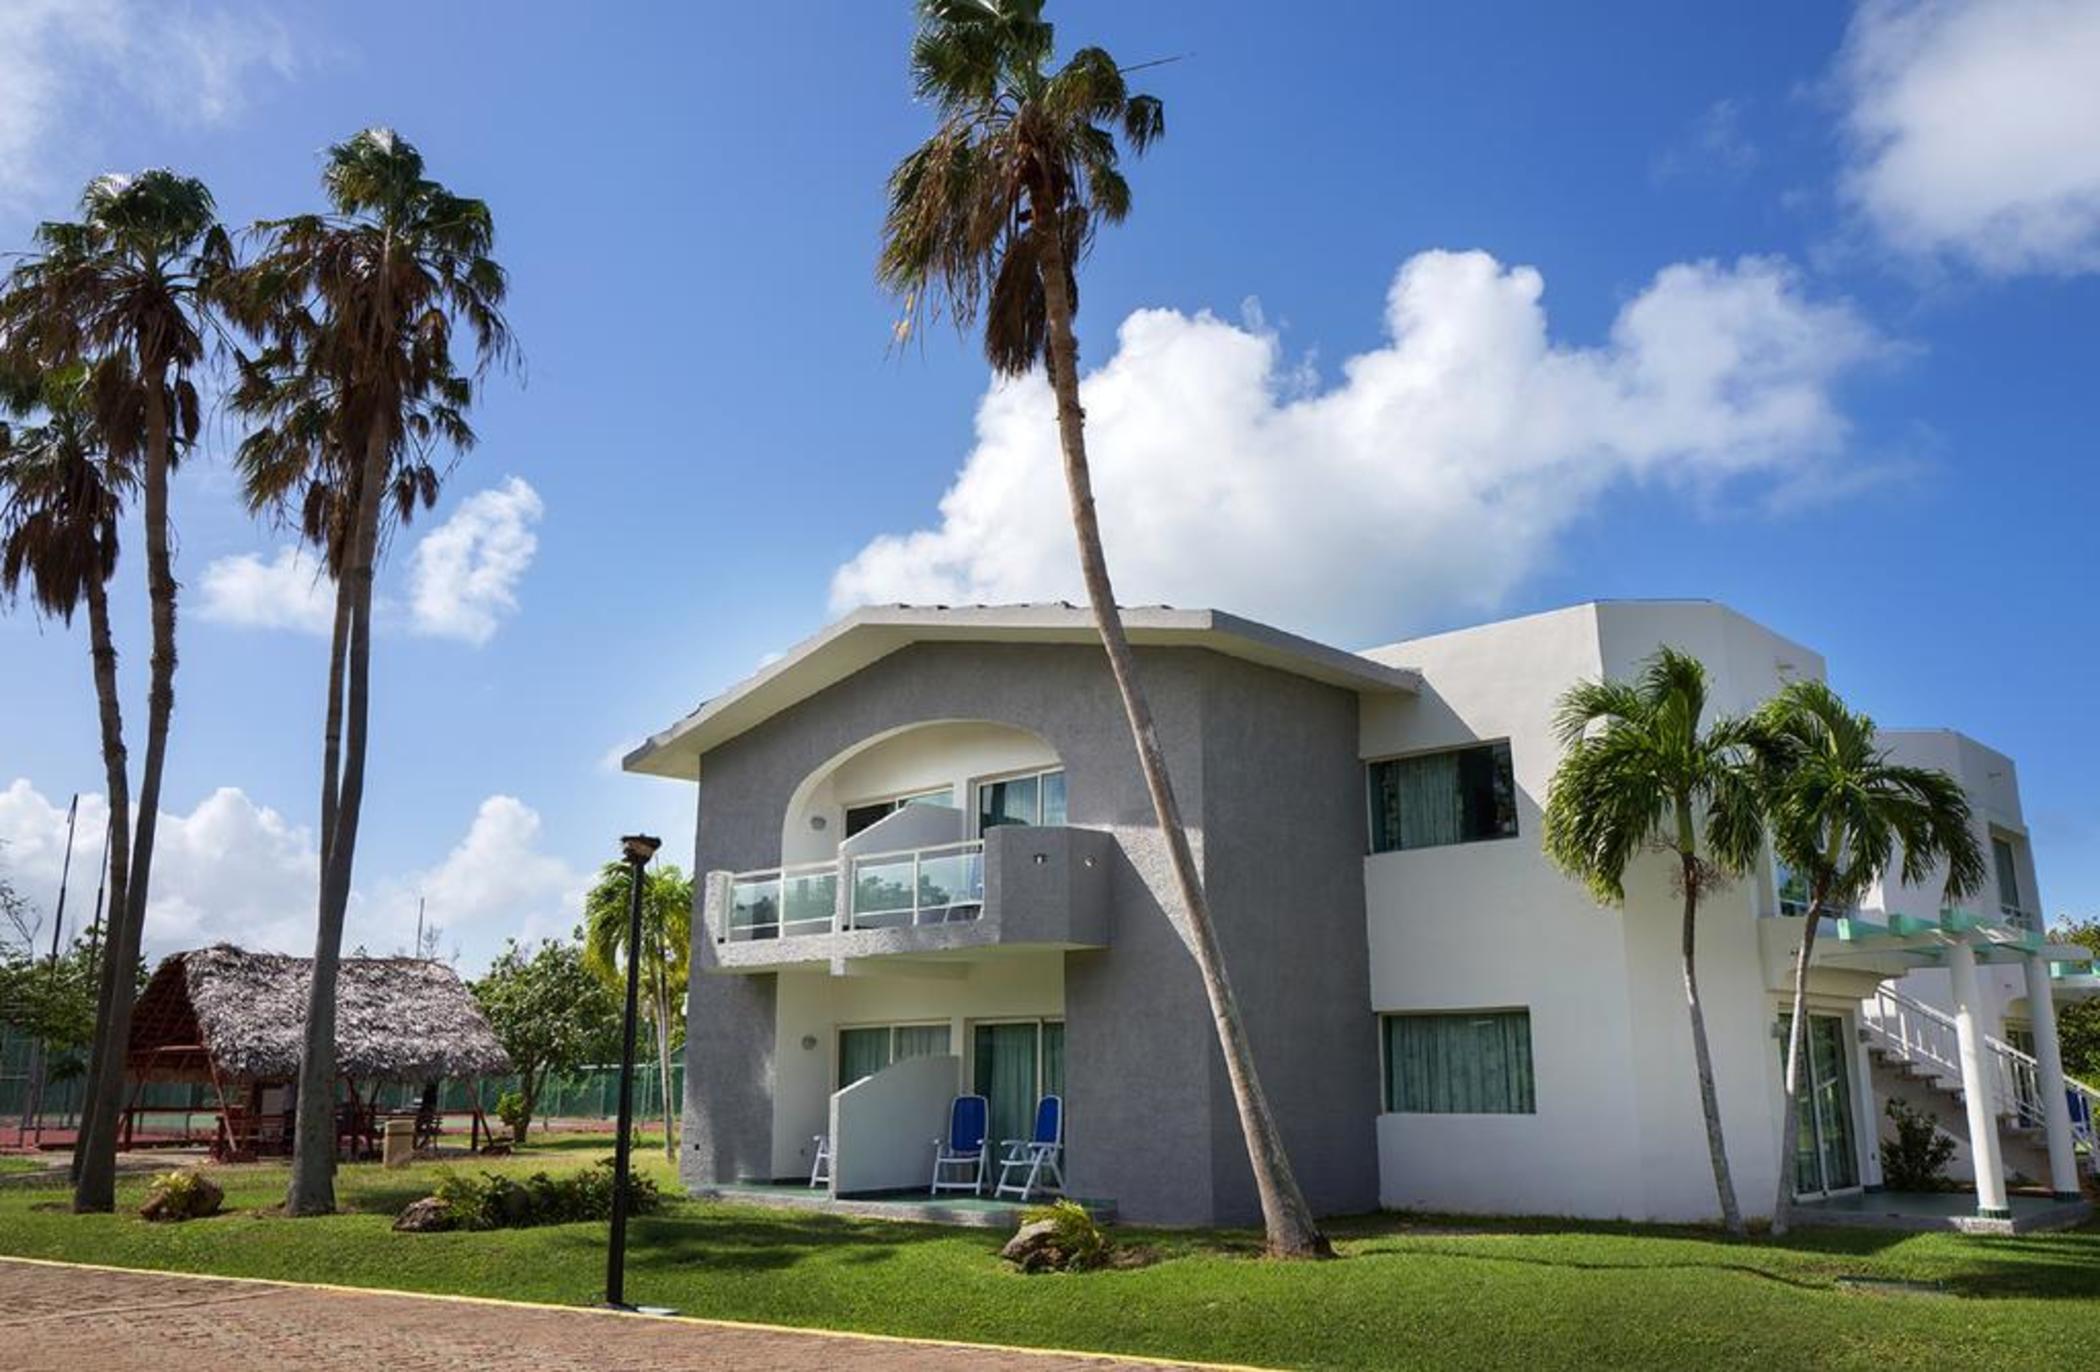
(667, 939)
(2078, 1022)
(1839, 811)
(550, 1013)
(1640, 773)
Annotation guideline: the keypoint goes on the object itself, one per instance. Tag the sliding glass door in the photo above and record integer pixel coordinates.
(1826, 1150)
(1015, 1064)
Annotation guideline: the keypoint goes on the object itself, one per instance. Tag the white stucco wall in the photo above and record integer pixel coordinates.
(952, 754)
(1618, 1130)
(813, 1005)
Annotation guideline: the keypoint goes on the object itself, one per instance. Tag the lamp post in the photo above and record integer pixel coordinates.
(637, 849)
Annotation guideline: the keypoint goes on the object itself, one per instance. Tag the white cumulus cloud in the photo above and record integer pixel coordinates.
(1974, 129)
(70, 69)
(286, 592)
(238, 871)
(1437, 473)
(463, 578)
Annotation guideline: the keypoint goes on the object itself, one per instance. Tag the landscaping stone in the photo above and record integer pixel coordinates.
(197, 1197)
(425, 1216)
(1034, 1248)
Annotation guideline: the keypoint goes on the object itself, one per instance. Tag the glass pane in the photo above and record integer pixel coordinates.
(951, 886)
(1833, 1102)
(1014, 801)
(1053, 797)
(944, 796)
(1474, 1064)
(882, 893)
(1005, 1076)
(2008, 874)
(859, 817)
(754, 908)
(862, 1053)
(1454, 797)
(921, 1041)
(809, 901)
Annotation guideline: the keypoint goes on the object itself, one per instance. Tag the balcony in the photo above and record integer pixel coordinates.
(1020, 885)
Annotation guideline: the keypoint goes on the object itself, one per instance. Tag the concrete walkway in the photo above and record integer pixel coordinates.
(56, 1317)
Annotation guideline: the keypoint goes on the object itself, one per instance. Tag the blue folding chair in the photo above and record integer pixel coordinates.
(958, 1160)
(1038, 1158)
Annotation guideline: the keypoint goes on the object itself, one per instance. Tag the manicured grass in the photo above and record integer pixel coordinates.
(12, 1164)
(1408, 1292)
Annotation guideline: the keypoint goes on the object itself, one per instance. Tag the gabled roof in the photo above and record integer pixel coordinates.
(396, 1019)
(868, 635)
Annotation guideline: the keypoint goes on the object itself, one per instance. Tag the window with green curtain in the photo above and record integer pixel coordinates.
(1054, 1059)
(862, 1053)
(920, 1041)
(1471, 1063)
(1458, 796)
(1006, 1076)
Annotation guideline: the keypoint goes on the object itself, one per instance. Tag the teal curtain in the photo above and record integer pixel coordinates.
(862, 1053)
(1054, 1059)
(1006, 1062)
(1464, 1064)
(1430, 801)
(921, 1041)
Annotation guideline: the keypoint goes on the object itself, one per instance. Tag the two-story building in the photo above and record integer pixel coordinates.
(930, 866)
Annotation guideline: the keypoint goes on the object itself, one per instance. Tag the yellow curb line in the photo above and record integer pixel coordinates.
(689, 1320)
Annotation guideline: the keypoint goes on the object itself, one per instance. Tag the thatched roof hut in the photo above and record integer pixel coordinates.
(243, 1015)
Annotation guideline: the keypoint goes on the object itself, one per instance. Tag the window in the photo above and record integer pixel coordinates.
(867, 1050)
(1793, 890)
(1036, 798)
(1459, 796)
(859, 817)
(2008, 866)
(1014, 1064)
(1471, 1063)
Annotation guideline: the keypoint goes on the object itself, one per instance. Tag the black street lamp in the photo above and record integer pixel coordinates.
(637, 849)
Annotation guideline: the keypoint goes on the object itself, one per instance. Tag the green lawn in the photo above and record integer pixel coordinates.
(1407, 1293)
(16, 1164)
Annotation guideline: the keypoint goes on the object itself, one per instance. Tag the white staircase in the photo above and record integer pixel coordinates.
(1920, 1043)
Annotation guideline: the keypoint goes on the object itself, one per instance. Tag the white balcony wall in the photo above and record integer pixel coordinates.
(811, 1007)
(883, 1127)
(923, 757)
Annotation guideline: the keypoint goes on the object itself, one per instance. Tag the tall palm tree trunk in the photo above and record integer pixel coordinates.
(663, 1055)
(332, 728)
(1288, 1220)
(1790, 1100)
(312, 1187)
(1702, 1055)
(96, 1186)
(116, 859)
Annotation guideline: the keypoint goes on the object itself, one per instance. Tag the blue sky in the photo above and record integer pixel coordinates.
(1457, 311)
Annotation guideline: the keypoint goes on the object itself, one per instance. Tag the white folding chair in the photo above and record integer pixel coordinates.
(1038, 1158)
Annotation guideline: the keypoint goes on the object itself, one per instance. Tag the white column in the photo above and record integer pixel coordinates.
(2049, 1075)
(1976, 1085)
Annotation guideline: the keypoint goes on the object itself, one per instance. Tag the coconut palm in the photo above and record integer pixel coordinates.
(127, 292)
(61, 505)
(667, 940)
(987, 220)
(361, 305)
(1840, 811)
(1642, 772)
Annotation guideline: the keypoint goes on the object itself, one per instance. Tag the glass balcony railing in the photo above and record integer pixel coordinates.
(943, 884)
(783, 902)
(938, 885)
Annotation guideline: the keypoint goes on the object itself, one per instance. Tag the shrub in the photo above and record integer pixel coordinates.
(183, 1195)
(510, 1108)
(1916, 1159)
(1060, 1236)
(488, 1200)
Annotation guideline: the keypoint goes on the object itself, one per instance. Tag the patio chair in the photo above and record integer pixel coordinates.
(1037, 1159)
(961, 1155)
(820, 1168)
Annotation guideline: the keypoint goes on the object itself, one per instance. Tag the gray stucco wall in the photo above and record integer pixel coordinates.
(1152, 1124)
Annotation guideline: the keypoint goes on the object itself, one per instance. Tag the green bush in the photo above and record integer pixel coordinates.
(510, 1108)
(488, 1201)
(1916, 1159)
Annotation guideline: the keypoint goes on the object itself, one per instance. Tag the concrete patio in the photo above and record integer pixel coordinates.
(1950, 1210)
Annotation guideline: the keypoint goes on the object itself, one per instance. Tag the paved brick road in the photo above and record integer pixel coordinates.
(70, 1319)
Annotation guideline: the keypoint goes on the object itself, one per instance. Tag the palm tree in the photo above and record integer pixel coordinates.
(360, 305)
(1639, 773)
(127, 291)
(989, 218)
(667, 940)
(1839, 811)
(61, 505)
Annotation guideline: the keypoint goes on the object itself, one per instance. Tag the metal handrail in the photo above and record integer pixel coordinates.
(2015, 1075)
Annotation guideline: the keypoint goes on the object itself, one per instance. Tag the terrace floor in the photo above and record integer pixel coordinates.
(1955, 1210)
(915, 1206)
